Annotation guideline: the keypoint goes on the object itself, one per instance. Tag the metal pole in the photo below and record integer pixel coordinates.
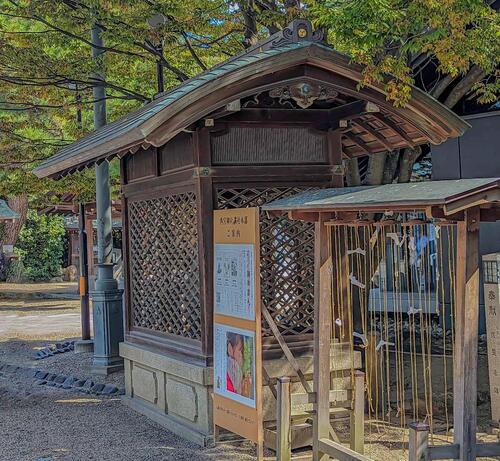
(159, 68)
(107, 298)
(103, 195)
(84, 276)
(283, 417)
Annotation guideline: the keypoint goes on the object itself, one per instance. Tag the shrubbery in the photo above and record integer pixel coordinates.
(40, 246)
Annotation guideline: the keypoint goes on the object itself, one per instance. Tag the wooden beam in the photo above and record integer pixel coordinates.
(359, 142)
(488, 449)
(323, 270)
(303, 216)
(466, 334)
(284, 346)
(338, 451)
(443, 452)
(389, 123)
(334, 139)
(471, 201)
(374, 133)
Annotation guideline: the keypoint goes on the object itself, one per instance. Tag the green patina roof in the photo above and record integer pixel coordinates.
(135, 128)
(136, 118)
(416, 194)
(6, 212)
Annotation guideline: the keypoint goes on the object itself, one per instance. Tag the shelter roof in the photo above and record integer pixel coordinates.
(261, 68)
(451, 195)
(6, 213)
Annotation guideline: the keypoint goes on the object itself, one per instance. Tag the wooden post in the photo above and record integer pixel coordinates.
(322, 323)
(89, 229)
(466, 334)
(283, 416)
(418, 440)
(358, 413)
(371, 367)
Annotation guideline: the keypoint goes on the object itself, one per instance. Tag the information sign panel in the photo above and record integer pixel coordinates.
(237, 327)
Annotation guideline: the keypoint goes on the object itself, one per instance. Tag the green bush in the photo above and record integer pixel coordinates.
(40, 246)
(16, 272)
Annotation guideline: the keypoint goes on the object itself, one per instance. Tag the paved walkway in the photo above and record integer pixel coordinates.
(39, 310)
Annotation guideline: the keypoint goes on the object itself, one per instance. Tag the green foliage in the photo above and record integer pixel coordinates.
(16, 272)
(40, 246)
(388, 35)
(47, 73)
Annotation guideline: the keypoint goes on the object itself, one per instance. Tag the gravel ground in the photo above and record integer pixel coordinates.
(38, 422)
(21, 352)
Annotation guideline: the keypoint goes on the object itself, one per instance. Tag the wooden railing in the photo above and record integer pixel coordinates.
(419, 449)
(285, 402)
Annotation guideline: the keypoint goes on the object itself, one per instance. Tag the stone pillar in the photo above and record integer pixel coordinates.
(107, 298)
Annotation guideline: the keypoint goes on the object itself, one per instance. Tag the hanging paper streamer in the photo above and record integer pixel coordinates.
(383, 343)
(358, 251)
(356, 282)
(397, 240)
(373, 238)
(413, 311)
(362, 337)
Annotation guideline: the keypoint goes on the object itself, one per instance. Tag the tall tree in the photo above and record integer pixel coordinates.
(449, 48)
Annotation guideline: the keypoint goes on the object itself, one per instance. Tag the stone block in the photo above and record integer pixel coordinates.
(181, 400)
(145, 383)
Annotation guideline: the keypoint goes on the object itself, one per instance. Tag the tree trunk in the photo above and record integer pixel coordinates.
(390, 167)
(19, 204)
(249, 15)
(353, 178)
(474, 75)
(408, 158)
(375, 173)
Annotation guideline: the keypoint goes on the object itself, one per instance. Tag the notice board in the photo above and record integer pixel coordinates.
(237, 323)
(491, 276)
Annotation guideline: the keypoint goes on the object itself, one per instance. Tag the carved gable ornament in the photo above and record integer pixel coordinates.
(304, 93)
(297, 31)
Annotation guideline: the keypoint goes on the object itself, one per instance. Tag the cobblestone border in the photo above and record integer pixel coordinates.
(53, 349)
(44, 378)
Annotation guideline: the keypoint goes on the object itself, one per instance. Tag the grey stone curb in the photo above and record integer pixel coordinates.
(57, 348)
(44, 378)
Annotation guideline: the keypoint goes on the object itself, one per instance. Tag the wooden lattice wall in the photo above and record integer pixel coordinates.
(287, 259)
(164, 269)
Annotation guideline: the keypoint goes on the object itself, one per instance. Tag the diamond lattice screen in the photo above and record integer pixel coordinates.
(164, 271)
(287, 259)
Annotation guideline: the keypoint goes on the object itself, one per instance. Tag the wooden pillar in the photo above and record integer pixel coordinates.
(418, 441)
(322, 324)
(466, 334)
(358, 413)
(334, 139)
(204, 198)
(89, 229)
(283, 417)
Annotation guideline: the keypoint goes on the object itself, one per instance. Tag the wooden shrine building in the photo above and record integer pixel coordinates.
(278, 119)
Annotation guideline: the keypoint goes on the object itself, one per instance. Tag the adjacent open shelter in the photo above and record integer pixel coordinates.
(399, 229)
(279, 119)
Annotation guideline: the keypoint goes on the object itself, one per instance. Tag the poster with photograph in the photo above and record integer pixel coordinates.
(234, 366)
(234, 280)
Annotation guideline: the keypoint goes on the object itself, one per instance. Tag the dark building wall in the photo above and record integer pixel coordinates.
(475, 155)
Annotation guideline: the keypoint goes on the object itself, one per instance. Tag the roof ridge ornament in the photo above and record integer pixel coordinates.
(299, 30)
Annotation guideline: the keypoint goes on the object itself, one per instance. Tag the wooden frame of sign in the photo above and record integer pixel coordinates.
(237, 324)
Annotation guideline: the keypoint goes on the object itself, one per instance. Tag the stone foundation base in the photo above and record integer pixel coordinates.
(170, 392)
